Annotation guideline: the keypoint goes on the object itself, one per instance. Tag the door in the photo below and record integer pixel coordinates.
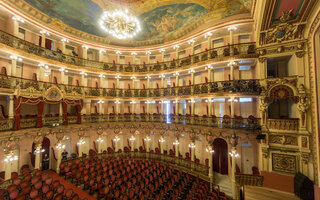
(246, 158)
(220, 156)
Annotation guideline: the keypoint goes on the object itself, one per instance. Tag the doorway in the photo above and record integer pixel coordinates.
(220, 156)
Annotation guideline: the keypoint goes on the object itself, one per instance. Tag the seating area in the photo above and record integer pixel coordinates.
(127, 178)
(35, 185)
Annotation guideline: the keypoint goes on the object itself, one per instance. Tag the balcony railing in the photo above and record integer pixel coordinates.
(250, 123)
(243, 50)
(249, 179)
(288, 124)
(251, 86)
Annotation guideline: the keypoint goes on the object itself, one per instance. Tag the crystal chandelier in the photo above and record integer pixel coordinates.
(120, 24)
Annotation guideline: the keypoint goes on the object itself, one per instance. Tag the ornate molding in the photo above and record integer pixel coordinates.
(284, 163)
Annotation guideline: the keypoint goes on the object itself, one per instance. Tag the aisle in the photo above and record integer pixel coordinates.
(67, 184)
(261, 193)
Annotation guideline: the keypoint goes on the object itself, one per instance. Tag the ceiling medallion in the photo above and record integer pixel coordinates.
(120, 24)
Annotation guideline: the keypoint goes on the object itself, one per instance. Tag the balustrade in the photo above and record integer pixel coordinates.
(288, 124)
(249, 179)
(243, 50)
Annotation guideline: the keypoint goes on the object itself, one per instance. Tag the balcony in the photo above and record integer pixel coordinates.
(243, 50)
(287, 124)
(250, 87)
(251, 123)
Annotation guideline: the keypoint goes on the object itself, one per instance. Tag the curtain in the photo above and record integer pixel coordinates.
(40, 111)
(65, 116)
(79, 108)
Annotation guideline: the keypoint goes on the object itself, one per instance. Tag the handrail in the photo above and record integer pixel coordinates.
(249, 86)
(212, 53)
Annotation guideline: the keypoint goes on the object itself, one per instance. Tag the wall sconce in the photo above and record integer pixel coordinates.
(206, 35)
(209, 100)
(15, 58)
(81, 142)
(116, 138)
(161, 140)
(147, 139)
(86, 47)
(232, 63)
(162, 76)
(117, 102)
(208, 67)
(209, 150)
(99, 140)
(60, 146)
(133, 77)
(118, 52)
(64, 40)
(102, 51)
(39, 151)
(117, 77)
(19, 19)
(102, 76)
(234, 154)
(191, 71)
(192, 146)
(100, 101)
(175, 143)
(10, 158)
(191, 41)
(134, 53)
(191, 101)
(234, 100)
(176, 47)
(132, 138)
(176, 74)
(147, 77)
(45, 32)
(148, 52)
(232, 28)
(162, 50)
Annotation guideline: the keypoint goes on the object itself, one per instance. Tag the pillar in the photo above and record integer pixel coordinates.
(192, 152)
(176, 148)
(64, 78)
(11, 107)
(192, 106)
(15, 28)
(233, 174)
(84, 80)
(162, 107)
(12, 71)
(101, 108)
(177, 107)
(43, 40)
(37, 157)
(211, 171)
(231, 72)
(101, 54)
(132, 144)
(7, 168)
(80, 149)
(209, 107)
(147, 146)
(133, 107)
(59, 158)
(232, 107)
(231, 29)
(148, 87)
(41, 74)
(63, 47)
(192, 78)
(117, 108)
(148, 108)
(84, 52)
(209, 75)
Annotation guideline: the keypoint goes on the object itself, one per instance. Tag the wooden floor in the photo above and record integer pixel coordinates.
(257, 193)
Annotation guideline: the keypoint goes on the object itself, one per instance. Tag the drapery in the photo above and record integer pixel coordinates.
(40, 111)
(79, 108)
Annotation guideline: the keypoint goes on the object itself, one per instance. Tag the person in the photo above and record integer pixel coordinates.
(45, 162)
(64, 155)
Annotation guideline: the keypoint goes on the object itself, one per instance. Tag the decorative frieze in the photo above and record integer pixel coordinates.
(284, 163)
(283, 140)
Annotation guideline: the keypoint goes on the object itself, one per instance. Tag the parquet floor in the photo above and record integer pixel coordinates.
(260, 193)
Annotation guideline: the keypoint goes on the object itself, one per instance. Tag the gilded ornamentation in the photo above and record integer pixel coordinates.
(283, 140)
(284, 163)
(304, 142)
(282, 32)
(300, 54)
(262, 59)
(53, 94)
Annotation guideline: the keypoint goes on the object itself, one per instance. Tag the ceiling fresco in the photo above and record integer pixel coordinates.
(161, 19)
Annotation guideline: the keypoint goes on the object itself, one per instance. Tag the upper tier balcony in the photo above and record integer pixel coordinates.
(243, 50)
(250, 87)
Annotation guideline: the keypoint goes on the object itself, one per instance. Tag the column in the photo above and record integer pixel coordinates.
(37, 157)
(233, 173)
(177, 53)
(149, 60)
(11, 107)
(192, 77)
(209, 74)
(177, 83)
(63, 47)
(101, 108)
(80, 148)
(7, 168)
(148, 87)
(64, 78)
(162, 107)
(116, 144)
(231, 29)
(132, 143)
(133, 107)
(209, 44)
(192, 106)
(176, 148)
(232, 111)
(84, 52)
(43, 40)
(41, 74)
(147, 145)
(12, 71)
(60, 110)
(87, 106)
(209, 107)
(84, 81)
(177, 106)
(118, 108)
(161, 145)
(59, 150)
(148, 108)
(192, 151)
(101, 55)
(15, 27)
(162, 56)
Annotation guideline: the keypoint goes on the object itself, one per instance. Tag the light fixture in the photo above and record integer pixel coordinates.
(148, 52)
(117, 102)
(64, 40)
(118, 52)
(46, 75)
(85, 47)
(161, 140)
(162, 76)
(63, 70)
(102, 51)
(232, 28)
(208, 67)
(147, 102)
(116, 138)
(102, 76)
(162, 50)
(84, 73)
(10, 158)
(134, 53)
(234, 100)
(133, 102)
(191, 71)
(100, 101)
(132, 138)
(209, 100)
(117, 77)
(15, 58)
(39, 151)
(209, 150)
(133, 77)
(147, 139)
(191, 101)
(81, 142)
(18, 19)
(234, 154)
(176, 74)
(45, 32)
(99, 140)
(176, 101)
(120, 24)
(43, 65)
(232, 63)
(176, 46)
(191, 41)
(176, 143)
(206, 35)
(192, 146)
(60, 146)
(147, 77)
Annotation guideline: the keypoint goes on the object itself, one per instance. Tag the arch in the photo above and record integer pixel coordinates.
(220, 156)
(4, 71)
(282, 91)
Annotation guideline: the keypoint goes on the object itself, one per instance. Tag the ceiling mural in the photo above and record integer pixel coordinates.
(160, 20)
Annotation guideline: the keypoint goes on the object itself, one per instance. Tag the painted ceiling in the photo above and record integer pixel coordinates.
(160, 19)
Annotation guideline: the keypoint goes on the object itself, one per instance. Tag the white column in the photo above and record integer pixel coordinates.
(177, 53)
(101, 108)
(12, 71)
(132, 145)
(84, 81)
(162, 56)
(148, 108)
(59, 158)
(11, 107)
(162, 107)
(209, 107)
(209, 74)
(133, 107)
(148, 87)
(192, 107)
(63, 47)
(161, 147)
(192, 78)
(60, 110)
(232, 72)
(162, 82)
(147, 146)
(117, 108)
(80, 149)
(192, 48)
(233, 174)
(101, 53)
(37, 157)
(192, 153)
(15, 28)
(43, 40)
(149, 60)
(85, 52)
(41, 73)
(7, 168)
(116, 145)
(176, 149)
(232, 107)
(64, 78)
(177, 107)
(231, 29)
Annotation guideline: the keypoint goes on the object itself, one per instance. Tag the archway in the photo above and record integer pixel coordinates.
(45, 146)
(220, 156)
